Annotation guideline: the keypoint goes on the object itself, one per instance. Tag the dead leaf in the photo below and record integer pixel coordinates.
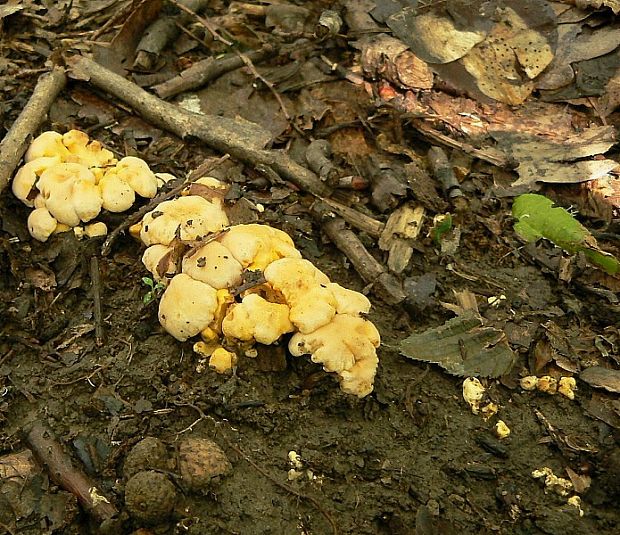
(614, 5)
(43, 279)
(577, 43)
(434, 37)
(513, 47)
(118, 55)
(599, 377)
(462, 347)
(541, 160)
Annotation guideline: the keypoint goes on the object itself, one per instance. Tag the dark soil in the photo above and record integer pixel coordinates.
(409, 458)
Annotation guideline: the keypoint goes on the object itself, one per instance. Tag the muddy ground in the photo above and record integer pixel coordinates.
(409, 458)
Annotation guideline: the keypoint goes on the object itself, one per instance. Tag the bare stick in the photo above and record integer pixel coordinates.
(51, 455)
(356, 219)
(385, 285)
(241, 139)
(16, 141)
(490, 155)
(95, 281)
(179, 185)
(206, 70)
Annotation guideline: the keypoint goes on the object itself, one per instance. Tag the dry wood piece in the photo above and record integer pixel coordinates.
(438, 160)
(160, 33)
(16, 141)
(385, 285)
(51, 455)
(241, 139)
(206, 70)
(355, 218)
(403, 226)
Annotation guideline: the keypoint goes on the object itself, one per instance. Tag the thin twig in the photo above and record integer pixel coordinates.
(180, 185)
(241, 139)
(205, 22)
(270, 86)
(95, 280)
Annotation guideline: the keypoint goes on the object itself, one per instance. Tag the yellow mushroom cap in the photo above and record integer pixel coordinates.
(27, 176)
(95, 230)
(47, 144)
(41, 224)
(81, 151)
(116, 194)
(56, 186)
(214, 264)
(138, 176)
(347, 345)
(256, 246)
(192, 216)
(222, 360)
(305, 289)
(349, 301)
(154, 259)
(187, 306)
(86, 199)
(257, 319)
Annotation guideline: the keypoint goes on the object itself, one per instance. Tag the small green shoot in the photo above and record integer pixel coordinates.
(442, 227)
(537, 217)
(154, 290)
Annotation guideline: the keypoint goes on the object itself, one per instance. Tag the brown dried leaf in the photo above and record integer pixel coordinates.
(599, 377)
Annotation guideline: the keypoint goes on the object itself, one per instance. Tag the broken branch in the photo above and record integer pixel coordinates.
(206, 70)
(15, 142)
(385, 285)
(241, 139)
(51, 455)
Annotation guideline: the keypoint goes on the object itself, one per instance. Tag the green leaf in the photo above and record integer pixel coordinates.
(148, 282)
(539, 218)
(443, 226)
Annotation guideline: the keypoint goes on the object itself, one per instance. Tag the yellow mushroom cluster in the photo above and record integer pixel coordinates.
(68, 179)
(202, 261)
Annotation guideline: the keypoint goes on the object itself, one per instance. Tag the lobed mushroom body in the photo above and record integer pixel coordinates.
(74, 178)
(294, 296)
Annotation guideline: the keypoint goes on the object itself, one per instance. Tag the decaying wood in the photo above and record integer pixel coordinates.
(206, 70)
(16, 141)
(385, 285)
(402, 228)
(241, 139)
(48, 451)
(442, 169)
